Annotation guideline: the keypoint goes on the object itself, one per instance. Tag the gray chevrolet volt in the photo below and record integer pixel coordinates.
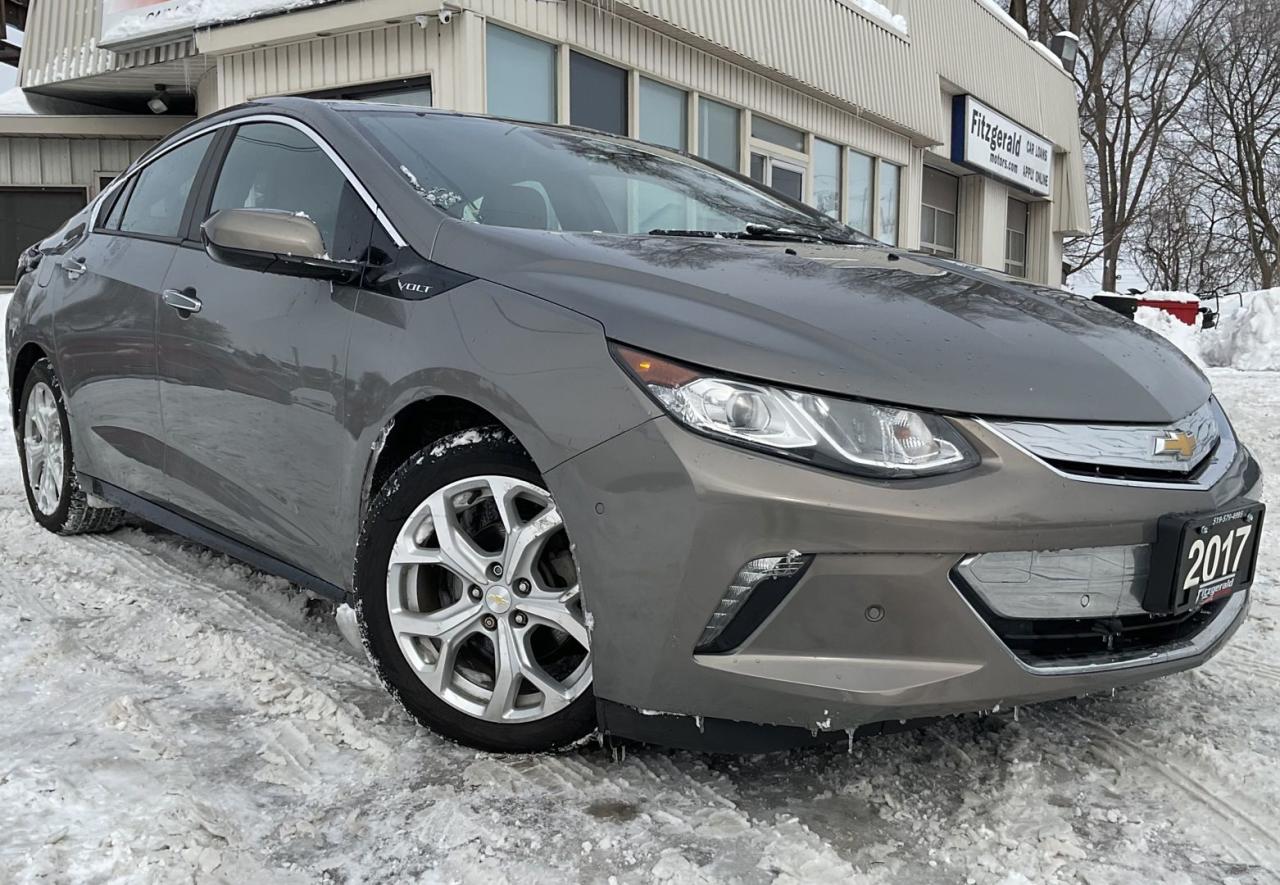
(593, 435)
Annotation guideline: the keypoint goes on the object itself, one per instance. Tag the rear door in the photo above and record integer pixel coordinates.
(253, 383)
(106, 291)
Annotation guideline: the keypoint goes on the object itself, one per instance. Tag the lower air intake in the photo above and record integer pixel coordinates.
(754, 592)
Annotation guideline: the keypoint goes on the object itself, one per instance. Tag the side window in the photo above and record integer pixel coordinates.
(115, 207)
(275, 166)
(158, 194)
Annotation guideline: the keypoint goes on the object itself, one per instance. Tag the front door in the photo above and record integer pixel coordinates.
(106, 288)
(253, 382)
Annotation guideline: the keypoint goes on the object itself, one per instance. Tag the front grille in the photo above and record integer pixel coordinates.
(1136, 474)
(1141, 453)
(1058, 642)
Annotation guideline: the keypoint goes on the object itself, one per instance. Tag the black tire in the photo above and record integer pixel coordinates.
(474, 452)
(74, 515)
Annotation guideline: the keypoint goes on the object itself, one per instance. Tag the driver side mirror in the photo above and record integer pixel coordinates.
(272, 241)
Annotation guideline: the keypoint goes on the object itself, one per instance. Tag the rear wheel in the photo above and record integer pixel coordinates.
(48, 465)
(469, 599)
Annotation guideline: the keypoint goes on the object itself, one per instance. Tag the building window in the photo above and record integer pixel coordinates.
(664, 115)
(862, 190)
(775, 133)
(938, 214)
(719, 133)
(415, 92)
(781, 175)
(520, 75)
(826, 178)
(1015, 253)
(888, 200)
(597, 94)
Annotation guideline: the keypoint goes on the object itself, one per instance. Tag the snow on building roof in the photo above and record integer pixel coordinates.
(878, 10)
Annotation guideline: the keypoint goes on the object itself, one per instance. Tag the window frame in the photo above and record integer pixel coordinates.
(933, 247)
(199, 211)
(559, 76)
(788, 164)
(877, 218)
(1009, 232)
(688, 99)
(873, 200)
(123, 188)
(812, 183)
(740, 122)
(203, 129)
(628, 94)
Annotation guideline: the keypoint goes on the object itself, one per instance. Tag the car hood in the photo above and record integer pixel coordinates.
(862, 321)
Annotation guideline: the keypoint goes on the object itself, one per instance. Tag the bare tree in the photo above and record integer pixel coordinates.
(1137, 70)
(1045, 18)
(1188, 235)
(1018, 12)
(1236, 124)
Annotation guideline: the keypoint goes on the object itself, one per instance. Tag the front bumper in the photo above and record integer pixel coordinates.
(662, 519)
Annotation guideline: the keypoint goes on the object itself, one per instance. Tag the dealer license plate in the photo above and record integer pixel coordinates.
(1201, 558)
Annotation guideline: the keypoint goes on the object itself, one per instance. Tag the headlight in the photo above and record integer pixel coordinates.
(840, 434)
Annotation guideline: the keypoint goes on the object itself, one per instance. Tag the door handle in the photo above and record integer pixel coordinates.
(74, 267)
(184, 302)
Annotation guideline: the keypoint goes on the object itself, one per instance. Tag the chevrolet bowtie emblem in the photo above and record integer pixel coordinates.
(1177, 443)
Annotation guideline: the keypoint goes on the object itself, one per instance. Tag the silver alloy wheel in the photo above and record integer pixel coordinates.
(484, 601)
(42, 443)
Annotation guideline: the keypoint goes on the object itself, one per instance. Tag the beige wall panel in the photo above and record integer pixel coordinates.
(55, 159)
(62, 162)
(874, 70)
(323, 63)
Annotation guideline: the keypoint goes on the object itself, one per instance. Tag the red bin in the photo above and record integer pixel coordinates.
(1187, 311)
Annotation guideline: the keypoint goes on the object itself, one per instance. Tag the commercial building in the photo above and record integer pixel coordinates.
(932, 124)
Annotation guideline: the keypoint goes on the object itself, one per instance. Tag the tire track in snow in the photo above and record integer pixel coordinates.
(657, 776)
(682, 801)
(1252, 665)
(1255, 843)
(226, 600)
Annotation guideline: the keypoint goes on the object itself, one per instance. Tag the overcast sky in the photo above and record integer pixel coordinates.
(9, 75)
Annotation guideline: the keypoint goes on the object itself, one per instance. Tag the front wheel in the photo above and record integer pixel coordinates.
(469, 600)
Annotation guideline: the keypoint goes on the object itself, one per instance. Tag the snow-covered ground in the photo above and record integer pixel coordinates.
(167, 714)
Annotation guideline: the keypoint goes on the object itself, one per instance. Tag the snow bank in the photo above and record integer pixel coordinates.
(1185, 338)
(1247, 335)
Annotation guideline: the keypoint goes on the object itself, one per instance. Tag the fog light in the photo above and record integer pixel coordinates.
(754, 592)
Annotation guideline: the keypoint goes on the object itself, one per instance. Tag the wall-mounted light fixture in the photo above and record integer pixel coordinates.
(1065, 45)
(159, 103)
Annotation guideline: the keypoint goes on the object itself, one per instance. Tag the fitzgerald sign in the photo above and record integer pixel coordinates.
(988, 141)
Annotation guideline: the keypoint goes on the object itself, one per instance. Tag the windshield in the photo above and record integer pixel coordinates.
(519, 175)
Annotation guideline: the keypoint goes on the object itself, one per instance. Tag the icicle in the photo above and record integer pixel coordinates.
(849, 732)
(697, 720)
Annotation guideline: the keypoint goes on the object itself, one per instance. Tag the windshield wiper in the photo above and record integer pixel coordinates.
(755, 231)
